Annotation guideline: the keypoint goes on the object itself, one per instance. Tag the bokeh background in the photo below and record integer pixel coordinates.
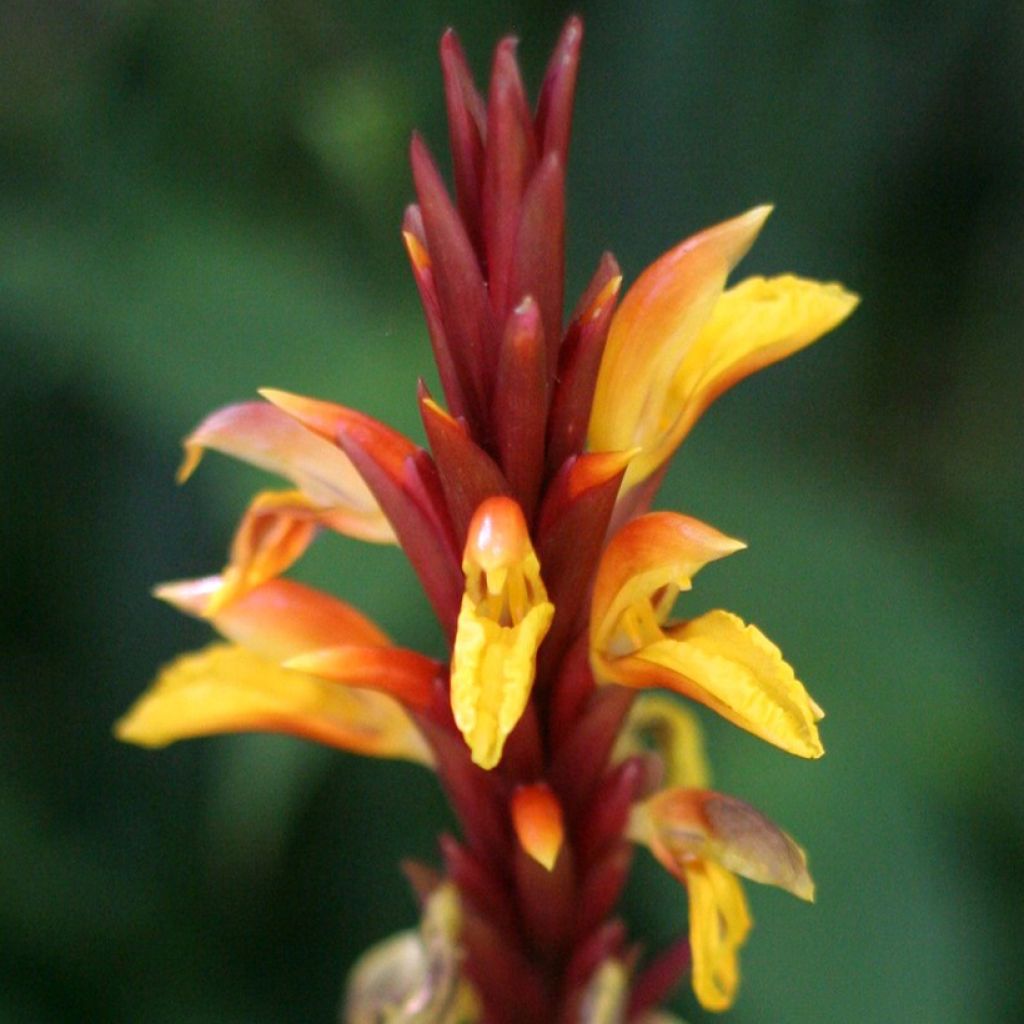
(199, 199)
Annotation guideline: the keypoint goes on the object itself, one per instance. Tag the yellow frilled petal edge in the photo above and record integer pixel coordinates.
(661, 724)
(226, 688)
(719, 924)
(734, 669)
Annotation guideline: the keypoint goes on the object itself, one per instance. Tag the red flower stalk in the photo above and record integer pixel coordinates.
(527, 524)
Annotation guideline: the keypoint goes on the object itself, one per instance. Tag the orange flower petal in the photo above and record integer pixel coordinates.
(264, 436)
(274, 533)
(404, 674)
(278, 619)
(225, 688)
(538, 823)
(653, 328)
(653, 556)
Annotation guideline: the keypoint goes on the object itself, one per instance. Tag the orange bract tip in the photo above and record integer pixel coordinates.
(537, 820)
(417, 252)
(320, 417)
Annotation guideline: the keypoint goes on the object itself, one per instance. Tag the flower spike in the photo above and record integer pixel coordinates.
(528, 525)
(505, 615)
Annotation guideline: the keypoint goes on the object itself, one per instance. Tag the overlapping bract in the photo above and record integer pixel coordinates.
(526, 520)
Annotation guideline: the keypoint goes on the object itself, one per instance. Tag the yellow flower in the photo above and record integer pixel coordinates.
(504, 617)
(705, 839)
(679, 339)
(715, 658)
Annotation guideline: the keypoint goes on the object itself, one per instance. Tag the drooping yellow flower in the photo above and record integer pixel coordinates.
(504, 617)
(705, 839)
(679, 339)
(715, 658)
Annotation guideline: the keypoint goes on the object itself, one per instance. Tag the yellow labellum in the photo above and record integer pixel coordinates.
(505, 615)
(715, 659)
(737, 671)
(719, 924)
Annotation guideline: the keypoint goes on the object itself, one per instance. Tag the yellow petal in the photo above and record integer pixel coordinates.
(652, 331)
(265, 436)
(737, 671)
(719, 924)
(225, 688)
(504, 617)
(661, 723)
(753, 324)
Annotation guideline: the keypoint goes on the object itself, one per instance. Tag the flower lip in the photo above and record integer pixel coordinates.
(504, 617)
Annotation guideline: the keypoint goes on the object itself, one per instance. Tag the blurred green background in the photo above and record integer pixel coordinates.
(199, 199)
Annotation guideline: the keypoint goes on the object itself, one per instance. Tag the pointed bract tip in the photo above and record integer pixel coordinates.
(189, 596)
(193, 456)
(538, 823)
(317, 416)
(418, 255)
